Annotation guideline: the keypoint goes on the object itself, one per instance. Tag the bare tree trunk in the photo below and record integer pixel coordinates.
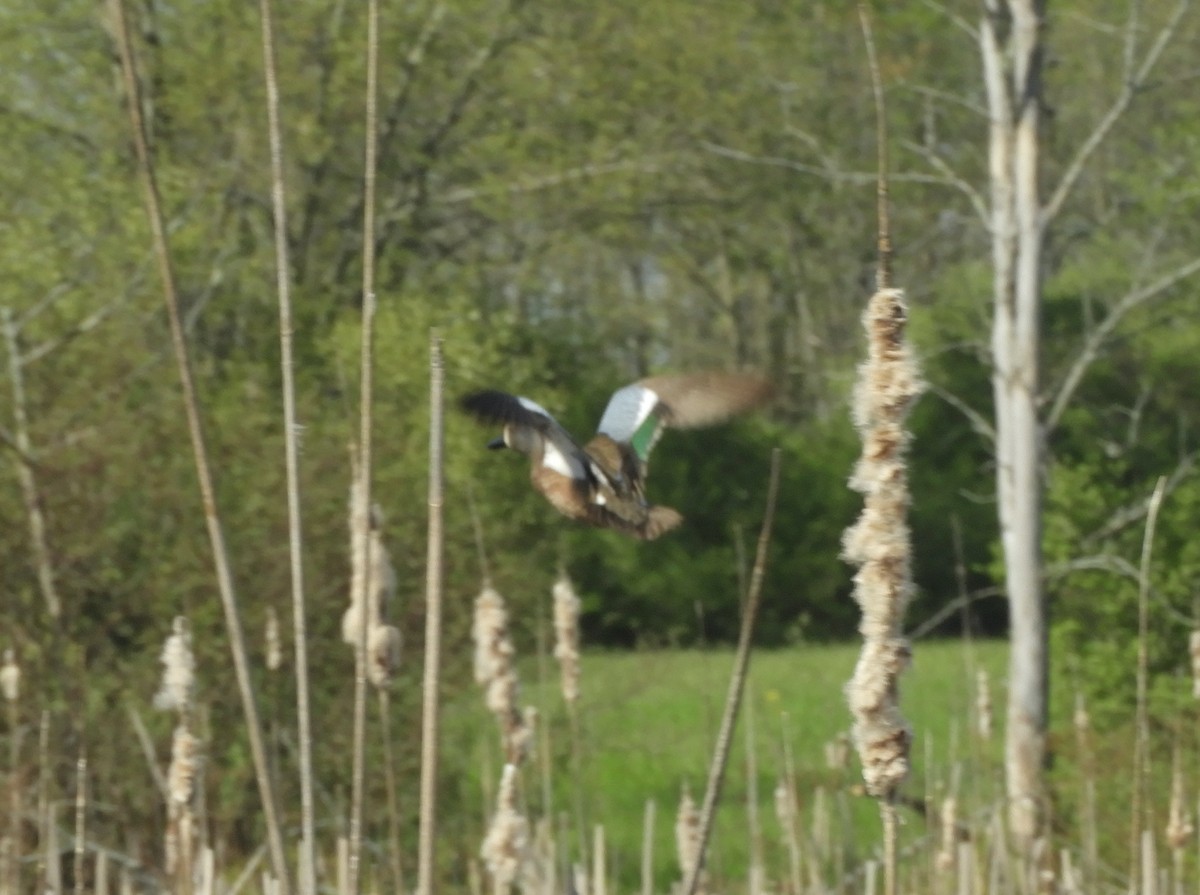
(1012, 29)
(29, 487)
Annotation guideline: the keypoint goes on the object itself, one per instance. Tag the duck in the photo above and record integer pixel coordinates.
(603, 482)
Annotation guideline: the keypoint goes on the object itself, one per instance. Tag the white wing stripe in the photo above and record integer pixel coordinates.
(627, 410)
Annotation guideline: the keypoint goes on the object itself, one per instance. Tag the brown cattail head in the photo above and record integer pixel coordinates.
(10, 676)
(506, 845)
(879, 544)
(179, 670)
(566, 636)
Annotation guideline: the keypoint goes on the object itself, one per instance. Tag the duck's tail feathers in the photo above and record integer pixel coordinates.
(659, 521)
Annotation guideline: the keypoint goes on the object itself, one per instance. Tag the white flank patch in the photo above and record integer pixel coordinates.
(556, 460)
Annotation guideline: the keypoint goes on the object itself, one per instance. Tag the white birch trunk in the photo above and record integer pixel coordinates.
(1014, 93)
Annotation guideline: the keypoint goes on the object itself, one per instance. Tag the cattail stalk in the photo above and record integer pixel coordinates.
(10, 686)
(366, 419)
(229, 602)
(1141, 748)
(737, 682)
(433, 628)
(687, 844)
(1180, 830)
(648, 848)
(80, 820)
(566, 651)
(307, 872)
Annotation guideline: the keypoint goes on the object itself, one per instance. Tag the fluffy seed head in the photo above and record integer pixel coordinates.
(687, 833)
(566, 636)
(497, 674)
(10, 676)
(274, 642)
(506, 845)
(878, 543)
(179, 670)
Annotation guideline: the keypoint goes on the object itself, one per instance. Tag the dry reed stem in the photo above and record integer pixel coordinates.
(433, 627)
(688, 845)
(80, 820)
(366, 430)
(737, 679)
(229, 603)
(10, 686)
(307, 869)
(648, 848)
(1140, 819)
(1194, 652)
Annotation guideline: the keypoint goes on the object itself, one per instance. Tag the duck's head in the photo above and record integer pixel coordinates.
(518, 438)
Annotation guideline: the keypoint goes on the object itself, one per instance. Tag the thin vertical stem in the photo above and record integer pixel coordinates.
(648, 848)
(737, 682)
(233, 624)
(389, 767)
(1140, 819)
(80, 820)
(366, 400)
(433, 628)
(307, 871)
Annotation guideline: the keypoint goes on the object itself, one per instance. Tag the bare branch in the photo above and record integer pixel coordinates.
(959, 22)
(973, 196)
(977, 420)
(1134, 512)
(1096, 338)
(1134, 82)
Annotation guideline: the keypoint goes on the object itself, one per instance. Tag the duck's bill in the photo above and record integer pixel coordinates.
(496, 443)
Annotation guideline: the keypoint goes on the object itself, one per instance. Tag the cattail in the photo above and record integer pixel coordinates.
(837, 753)
(566, 634)
(506, 846)
(179, 670)
(687, 837)
(274, 641)
(384, 645)
(496, 672)
(181, 776)
(1194, 650)
(381, 575)
(1081, 719)
(945, 858)
(983, 705)
(878, 543)
(1179, 822)
(784, 805)
(10, 676)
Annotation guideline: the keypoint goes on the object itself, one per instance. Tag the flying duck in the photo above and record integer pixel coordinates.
(603, 482)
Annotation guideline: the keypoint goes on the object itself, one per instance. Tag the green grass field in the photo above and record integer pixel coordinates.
(649, 722)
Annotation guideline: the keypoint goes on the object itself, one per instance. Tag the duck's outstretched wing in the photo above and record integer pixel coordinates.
(561, 453)
(637, 414)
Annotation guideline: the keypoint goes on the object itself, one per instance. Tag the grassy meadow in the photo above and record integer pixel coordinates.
(649, 722)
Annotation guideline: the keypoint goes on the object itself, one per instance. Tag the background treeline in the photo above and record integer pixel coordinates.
(575, 194)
